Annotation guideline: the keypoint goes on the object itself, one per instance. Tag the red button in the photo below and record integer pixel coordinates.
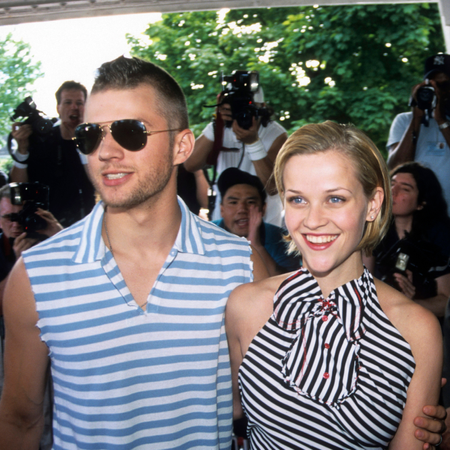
(324, 318)
(326, 375)
(327, 345)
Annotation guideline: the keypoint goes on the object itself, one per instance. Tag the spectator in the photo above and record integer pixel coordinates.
(54, 160)
(423, 134)
(252, 150)
(242, 208)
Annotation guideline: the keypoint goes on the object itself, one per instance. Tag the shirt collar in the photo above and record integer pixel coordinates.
(92, 248)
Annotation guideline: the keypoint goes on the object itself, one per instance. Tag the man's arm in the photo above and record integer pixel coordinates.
(405, 150)
(26, 367)
(263, 159)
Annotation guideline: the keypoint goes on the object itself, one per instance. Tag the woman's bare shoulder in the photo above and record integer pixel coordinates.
(258, 289)
(256, 297)
(414, 322)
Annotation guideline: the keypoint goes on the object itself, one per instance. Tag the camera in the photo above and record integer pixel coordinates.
(40, 123)
(426, 98)
(32, 196)
(238, 92)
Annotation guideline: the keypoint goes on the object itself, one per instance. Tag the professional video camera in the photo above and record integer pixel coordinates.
(32, 196)
(40, 123)
(238, 92)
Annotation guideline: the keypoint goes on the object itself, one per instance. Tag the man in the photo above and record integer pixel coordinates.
(243, 204)
(13, 241)
(136, 294)
(128, 303)
(421, 136)
(53, 159)
(252, 150)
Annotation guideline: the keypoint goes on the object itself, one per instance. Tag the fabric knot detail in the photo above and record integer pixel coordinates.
(315, 322)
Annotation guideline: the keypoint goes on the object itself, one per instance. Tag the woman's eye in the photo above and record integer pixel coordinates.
(296, 200)
(337, 200)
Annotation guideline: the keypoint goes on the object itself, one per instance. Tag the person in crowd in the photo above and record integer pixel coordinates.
(252, 150)
(13, 241)
(53, 159)
(242, 209)
(329, 357)
(423, 134)
(128, 304)
(414, 255)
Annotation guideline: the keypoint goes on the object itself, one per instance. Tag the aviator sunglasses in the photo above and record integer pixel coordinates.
(130, 134)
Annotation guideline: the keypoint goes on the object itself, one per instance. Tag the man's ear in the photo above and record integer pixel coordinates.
(183, 146)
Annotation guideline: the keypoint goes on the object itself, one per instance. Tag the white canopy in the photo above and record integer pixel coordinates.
(21, 11)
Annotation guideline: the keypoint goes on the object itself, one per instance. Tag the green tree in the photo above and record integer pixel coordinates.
(17, 74)
(345, 63)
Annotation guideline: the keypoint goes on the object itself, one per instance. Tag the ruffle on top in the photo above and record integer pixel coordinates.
(322, 362)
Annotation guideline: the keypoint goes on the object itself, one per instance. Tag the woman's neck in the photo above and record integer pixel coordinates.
(403, 224)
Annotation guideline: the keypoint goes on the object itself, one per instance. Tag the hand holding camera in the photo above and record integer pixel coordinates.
(21, 133)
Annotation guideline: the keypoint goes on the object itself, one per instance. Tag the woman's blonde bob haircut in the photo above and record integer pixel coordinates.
(368, 163)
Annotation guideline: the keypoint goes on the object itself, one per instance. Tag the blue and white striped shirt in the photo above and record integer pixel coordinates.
(129, 379)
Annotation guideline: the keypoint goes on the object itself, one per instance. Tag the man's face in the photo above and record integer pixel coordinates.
(235, 207)
(126, 179)
(10, 229)
(442, 82)
(71, 107)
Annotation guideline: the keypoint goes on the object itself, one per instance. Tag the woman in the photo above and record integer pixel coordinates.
(329, 351)
(413, 257)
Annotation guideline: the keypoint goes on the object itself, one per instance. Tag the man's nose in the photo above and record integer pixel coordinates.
(243, 206)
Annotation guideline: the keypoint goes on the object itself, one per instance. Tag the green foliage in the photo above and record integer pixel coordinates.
(17, 73)
(345, 63)
(6, 164)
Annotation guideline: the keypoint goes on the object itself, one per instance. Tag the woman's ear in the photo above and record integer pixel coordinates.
(421, 206)
(375, 203)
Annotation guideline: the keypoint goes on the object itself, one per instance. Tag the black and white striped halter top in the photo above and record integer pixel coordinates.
(325, 373)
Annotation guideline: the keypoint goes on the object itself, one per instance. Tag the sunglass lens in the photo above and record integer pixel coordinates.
(129, 133)
(88, 137)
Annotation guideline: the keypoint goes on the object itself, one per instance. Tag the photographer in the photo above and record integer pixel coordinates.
(249, 140)
(52, 158)
(14, 241)
(423, 134)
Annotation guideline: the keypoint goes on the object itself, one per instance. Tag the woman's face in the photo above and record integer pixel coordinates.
(404, 195)
(326, 210)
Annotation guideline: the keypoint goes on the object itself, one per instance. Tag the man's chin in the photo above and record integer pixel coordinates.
(241, 233)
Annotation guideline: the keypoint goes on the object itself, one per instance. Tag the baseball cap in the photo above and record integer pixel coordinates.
(437, 63)
(232, 176)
